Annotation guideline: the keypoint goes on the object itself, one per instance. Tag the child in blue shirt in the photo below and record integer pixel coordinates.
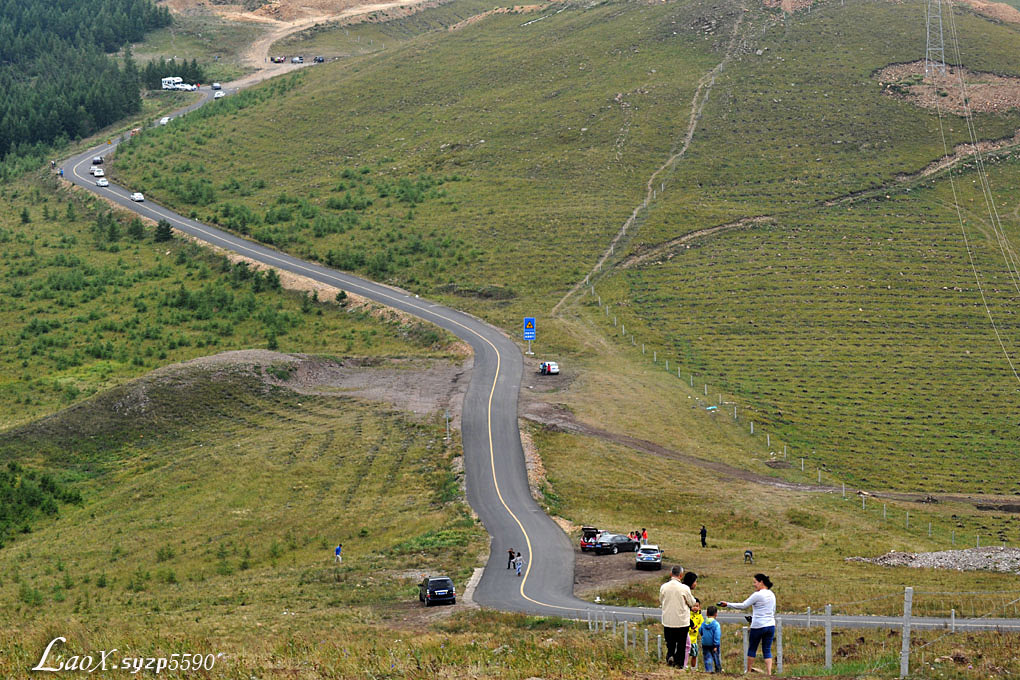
(711, 636)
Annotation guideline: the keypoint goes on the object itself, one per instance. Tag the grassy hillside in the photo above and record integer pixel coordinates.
(91, 300)
(492, 161)
(496, 162)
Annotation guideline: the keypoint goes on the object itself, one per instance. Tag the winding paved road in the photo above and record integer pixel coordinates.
(496, 477)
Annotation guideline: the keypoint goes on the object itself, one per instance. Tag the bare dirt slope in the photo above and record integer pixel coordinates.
(981, 92)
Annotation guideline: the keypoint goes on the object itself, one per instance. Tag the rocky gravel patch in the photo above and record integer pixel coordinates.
(1003, 560)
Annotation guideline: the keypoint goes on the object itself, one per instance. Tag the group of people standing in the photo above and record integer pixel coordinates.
(639, 536)
(514, 561)
(683, 626)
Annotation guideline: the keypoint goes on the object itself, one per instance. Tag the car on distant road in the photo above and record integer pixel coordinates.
(98, 160)
(278, 60)
(588, 537)
(164, 120)
(297, 60)
(137, 197)
(220, 95)
(102, 182)
(319, 60)
(98, 172)
(648, 557)
(614, 543)
(435, 589)
(216, 86)
(549, 368)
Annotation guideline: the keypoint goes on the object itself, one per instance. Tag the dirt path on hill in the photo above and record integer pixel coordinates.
(701, 94)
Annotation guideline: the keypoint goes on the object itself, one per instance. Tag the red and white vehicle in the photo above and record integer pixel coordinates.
(589, 535)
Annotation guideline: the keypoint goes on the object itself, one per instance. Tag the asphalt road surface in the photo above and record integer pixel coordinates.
(496, 476)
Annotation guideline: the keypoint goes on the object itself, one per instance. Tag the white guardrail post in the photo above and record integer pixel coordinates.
(908, 602)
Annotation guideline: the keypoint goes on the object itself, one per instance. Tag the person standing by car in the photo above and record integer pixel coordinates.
(675, 599)
(763, 621)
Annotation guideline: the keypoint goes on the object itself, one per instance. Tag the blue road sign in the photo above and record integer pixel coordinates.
(529, 328)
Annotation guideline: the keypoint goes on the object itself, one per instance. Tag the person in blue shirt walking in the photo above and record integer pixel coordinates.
(711, 636)
(339, 549)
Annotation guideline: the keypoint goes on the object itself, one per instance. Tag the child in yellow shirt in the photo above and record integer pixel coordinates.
(696, 620)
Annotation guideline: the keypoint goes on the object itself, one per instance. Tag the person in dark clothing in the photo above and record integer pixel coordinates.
(704, 535)
(510, 555)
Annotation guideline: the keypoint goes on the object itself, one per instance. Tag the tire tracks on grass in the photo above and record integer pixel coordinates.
(698, 102)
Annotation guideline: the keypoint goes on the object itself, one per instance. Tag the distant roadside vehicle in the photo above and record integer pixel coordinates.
(648, 557)
(549, 368)
(98, 172)
(437, 589)
(135, 131)
(102, 182)
(319, 60)
(297, 60)
(216, 86)
(614, 543)
(164, 120)
(98, 160)
(278, 60)
(137, 197)
(588, 536)
(220, 95)
(172, 83)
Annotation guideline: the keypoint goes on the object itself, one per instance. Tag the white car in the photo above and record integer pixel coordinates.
(216, 86)
(549, 368)
(102, 182)
(164, 120)
(648, 556)
(137, 197)
(98, 172)
(220, 95)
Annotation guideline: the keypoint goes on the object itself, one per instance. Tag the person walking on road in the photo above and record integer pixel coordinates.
(510, 558)
(704, 535)
(519, 563)
(763, 621)
(338, 557)
(676, 600)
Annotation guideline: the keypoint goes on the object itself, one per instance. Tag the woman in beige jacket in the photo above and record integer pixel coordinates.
(676, 600)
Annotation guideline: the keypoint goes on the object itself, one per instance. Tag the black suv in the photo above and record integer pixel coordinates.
(437, 589)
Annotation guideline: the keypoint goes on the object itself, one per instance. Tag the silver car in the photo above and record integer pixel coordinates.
(648, 557)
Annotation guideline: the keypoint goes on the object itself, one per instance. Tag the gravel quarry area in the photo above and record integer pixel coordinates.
(1003, 560)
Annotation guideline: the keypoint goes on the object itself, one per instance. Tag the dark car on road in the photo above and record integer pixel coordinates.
(437, 589)
(614, 543)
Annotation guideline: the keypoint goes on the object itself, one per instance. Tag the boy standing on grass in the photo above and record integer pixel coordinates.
(339, 549)
(711, 636)
(696, 620)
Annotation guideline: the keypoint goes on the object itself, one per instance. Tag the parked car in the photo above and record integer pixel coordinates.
(102, 182)
(588, 536)
(278, 60)
(216, 86)
(297, 60)
(164, 120)
(319, 60)
(549, 368)
(435, 589)
(137, 197)
(98, 160)
(614, 543)
(648, 557)
(220, 95)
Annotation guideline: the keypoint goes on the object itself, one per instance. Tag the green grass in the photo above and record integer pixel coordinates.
(373, 32)
(87, 304)
(537, 196)
(215, 42)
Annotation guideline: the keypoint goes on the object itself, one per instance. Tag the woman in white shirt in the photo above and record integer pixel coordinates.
(763, 621)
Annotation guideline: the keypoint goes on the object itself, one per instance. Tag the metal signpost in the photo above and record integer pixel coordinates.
(529, 331)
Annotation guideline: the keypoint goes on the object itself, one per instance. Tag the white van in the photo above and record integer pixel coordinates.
(172, 83)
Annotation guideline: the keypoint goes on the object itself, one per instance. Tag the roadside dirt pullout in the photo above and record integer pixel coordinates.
(1002, 560)
(999, 11)
(983, 92)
